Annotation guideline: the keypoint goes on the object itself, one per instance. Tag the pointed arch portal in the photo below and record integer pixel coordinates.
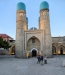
(34, 52)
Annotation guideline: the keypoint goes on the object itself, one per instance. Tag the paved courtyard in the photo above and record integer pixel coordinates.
(14, 66)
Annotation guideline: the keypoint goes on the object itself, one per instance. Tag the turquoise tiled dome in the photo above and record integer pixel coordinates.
(44, 5)
(21, 6)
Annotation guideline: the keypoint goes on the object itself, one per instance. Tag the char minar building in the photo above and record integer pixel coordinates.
(33, 41)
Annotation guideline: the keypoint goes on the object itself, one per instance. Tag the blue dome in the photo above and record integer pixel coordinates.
(21, 6)
(44, 5)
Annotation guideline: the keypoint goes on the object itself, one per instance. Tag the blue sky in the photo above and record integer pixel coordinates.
(8, 16)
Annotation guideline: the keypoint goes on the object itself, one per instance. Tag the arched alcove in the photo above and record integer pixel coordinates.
(53, 50)
(61, 49)
(33, 42)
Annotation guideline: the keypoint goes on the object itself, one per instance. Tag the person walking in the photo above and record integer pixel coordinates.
(41, 59)
(38, 57)
(45, 59)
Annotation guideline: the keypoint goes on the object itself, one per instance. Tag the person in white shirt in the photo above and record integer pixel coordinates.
(45, 59)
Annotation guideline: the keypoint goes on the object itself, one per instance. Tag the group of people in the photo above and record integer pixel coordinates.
(42, 60)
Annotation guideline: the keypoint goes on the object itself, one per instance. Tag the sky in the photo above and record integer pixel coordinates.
(8, 16)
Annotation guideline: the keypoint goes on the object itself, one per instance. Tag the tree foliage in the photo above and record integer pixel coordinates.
(4, 44)
(1, 41)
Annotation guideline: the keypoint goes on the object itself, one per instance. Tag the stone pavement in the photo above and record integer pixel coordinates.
(15, 66)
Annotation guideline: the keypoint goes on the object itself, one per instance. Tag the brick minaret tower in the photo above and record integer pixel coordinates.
(44, 24)
(21, 25)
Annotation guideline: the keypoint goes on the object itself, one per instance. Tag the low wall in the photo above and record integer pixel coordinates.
(4, 52)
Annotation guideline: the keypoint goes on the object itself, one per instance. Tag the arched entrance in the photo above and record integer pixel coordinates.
(61, 51)
(34, 53)
(12, 50)
(33, 44)
(53, 50)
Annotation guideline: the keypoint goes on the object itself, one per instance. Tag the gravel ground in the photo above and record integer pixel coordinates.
(9, 65)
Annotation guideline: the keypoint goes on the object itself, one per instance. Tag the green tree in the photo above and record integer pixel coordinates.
(1, 41)
(4, 44)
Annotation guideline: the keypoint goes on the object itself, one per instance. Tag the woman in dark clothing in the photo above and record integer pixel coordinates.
(38, 57)
(41, 59)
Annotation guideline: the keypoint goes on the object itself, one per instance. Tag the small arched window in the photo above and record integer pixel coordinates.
(33, 40)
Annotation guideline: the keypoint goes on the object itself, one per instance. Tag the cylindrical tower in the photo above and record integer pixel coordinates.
(45, 26)
(20, 27)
